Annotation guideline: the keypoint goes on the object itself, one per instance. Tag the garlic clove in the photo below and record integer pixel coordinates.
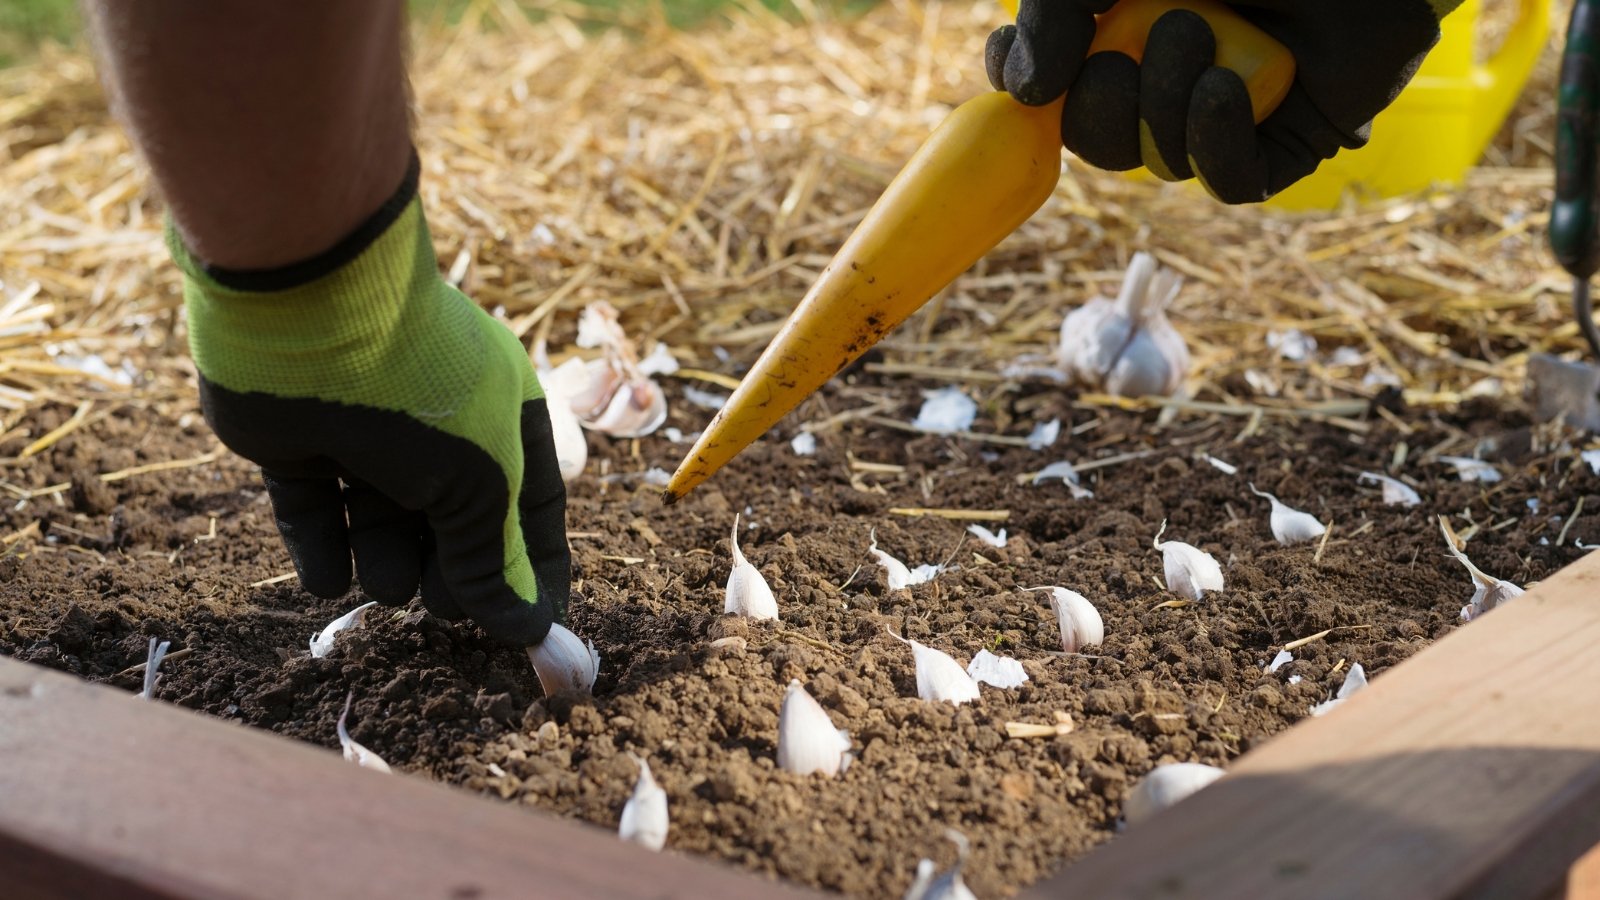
(997, 541)
(946, 411)
(323, 641)
(353, 751)
(589, 386)
(900, 577)
(564, 663)
(1283, 658)
(1144, 368)
(939, 676)
(924, 878)
(1395, 491)
(1354, 680)
(747, 593)
(644, 816)
(1065, 471)
(1592, 458)
(807, 740)
(1470, 469)
(1000, 671)
(1090, 337)
(1044, 434)
(948, 886)
(1190, 571)
(1164, 787)
(1290, 525)
(636, 409)
(560, 386)
(1078, 620)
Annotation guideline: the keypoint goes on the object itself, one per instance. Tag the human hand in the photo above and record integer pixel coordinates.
(1182, 116)
(395, 422)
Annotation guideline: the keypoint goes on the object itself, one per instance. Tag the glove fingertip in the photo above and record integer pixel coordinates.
(995, 52)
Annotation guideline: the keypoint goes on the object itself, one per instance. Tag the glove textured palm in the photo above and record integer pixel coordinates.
(1182, 116)
(395, 423)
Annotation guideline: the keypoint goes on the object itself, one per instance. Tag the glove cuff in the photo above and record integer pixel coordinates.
(356, 324)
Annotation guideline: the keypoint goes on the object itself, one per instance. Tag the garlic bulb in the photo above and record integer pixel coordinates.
(1488, 592)
(323, 641)
(1190, 571)
(1128, 346)
(644, 816)
(1000, 671)
(1290, 525)
(1354, 680)
(1164, 787)
(939, 676)
(618, 397)
(1080, 623)
(747, 593)
(564, 663)
(807, 740)
(353, 751)
(1395, 491)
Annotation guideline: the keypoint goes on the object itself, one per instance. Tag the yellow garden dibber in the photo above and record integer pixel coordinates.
(986, 169)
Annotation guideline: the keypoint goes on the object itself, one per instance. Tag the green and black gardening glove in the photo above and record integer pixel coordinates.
(1183, 117)
(395, 423)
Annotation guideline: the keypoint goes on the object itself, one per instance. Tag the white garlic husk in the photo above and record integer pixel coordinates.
(997, 541)
(1128, 346)
(1283, 658)
(353, 751)
(939, 676)
(748, 593)
(1488, 591)
(1190, 571)
(1471, 469)
(1068, 474)
(644, 816)
(1078, 620)
(946, 411)
(1290, 525)
(1164, 787)
(1395, 491)
(322, 642)
(1354, 680)
(808, 742)
(564, 662)
(999, 671)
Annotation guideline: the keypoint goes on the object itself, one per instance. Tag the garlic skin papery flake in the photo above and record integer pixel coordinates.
(1488, 591)
(747, 593)
(323, 641)
(644, 816)
(1395, 491)
(1065, 471)
(996, 541)
(1164, 787)
(1470, 469)
(1190, 571)
(939, 676)
(1290, 525)
(946, 411)
(807, 740)
(564, 662)
(1354, 680)
(353, 751)
(1080, 623)
(1128, 346)
(1000, 671)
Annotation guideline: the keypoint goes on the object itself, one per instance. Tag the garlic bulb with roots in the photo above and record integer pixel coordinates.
(1190, 571)
(564, 662)
(1128, 346)
(747, 593)
(1290, 525)
(807, 740)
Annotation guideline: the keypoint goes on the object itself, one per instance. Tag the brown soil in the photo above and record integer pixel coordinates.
(124, 561)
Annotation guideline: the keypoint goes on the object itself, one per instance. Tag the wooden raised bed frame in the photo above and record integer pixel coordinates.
(1470, 770)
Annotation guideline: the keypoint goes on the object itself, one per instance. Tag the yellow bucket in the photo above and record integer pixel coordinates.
(1440, 124)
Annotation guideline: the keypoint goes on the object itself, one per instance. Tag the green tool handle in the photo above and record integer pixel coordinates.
(1574, 222)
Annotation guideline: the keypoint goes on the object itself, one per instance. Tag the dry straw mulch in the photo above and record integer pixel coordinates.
(700, 180)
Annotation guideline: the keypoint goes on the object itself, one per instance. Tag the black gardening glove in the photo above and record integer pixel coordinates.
(1182, 117)
(395, 422)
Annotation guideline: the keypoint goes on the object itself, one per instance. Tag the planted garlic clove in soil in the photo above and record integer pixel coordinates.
(898, 575)
(1354, 680)
(323, 641)
(747, 593)
(1395, 491)
(939, 676)
(1290, 525)
(353, 751)
(152, 668)
(1128, 346)
(564, 662)
(948, 886)
(807, 740)
(1078, 620)
(1190, 571)
(1488, 591)
(644, 817)
(1164, 787)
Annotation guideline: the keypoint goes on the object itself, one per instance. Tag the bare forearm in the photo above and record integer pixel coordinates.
(272, 128)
